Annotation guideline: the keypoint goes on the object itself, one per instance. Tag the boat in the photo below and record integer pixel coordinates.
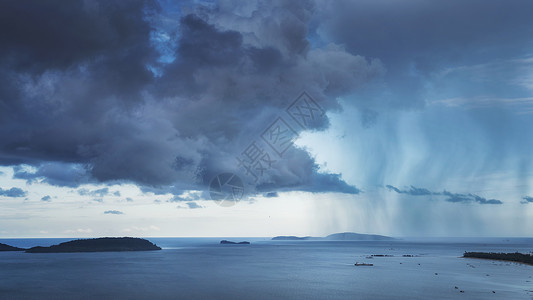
(363, 264)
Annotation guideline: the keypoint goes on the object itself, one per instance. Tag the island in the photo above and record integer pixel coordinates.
(352, 236)
(514, 257)
(293, 238)
(107, 244)
(343, 236)
(4, 247)
(234, 243)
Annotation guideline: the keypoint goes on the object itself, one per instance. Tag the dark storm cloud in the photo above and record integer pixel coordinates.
(54, 173)
(62, 66)
(113, 212)
(450, 197)
(454, 28)
(106, 37)
(13, 192)
(297, 171)
(415, 39)
(79, 103)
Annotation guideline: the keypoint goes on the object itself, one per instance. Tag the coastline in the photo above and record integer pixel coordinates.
(501, 260)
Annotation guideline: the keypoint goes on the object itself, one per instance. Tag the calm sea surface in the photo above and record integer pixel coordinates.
(200, 268)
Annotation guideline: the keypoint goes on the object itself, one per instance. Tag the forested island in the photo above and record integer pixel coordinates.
(98, 245)
(514, 257)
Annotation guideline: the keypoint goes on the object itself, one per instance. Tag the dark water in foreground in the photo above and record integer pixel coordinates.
(202, 269)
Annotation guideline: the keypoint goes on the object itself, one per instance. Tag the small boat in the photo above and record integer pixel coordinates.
(363, 264)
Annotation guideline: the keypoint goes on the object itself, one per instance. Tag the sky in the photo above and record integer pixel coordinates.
(265, 118)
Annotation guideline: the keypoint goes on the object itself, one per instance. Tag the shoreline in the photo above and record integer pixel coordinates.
(517, 257)
(502, 260)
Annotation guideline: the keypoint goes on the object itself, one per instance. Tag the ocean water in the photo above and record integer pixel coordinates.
(200, 268)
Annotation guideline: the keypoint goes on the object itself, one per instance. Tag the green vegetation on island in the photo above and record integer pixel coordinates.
(98, 245)
(514, 257)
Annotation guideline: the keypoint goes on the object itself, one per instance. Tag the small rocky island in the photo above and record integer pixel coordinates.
(234, 243)
(106, 244)
(514, 257)
(4, 247)
(343, 236)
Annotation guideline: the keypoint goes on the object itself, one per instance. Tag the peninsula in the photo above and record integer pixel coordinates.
(106, 244)
(514, 257)
(4, 247)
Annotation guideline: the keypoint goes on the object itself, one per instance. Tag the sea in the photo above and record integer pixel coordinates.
(202, 268)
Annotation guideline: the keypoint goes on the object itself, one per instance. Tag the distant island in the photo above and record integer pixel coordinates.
(234, 243)
(343, 236)
(4, 247)
(514, 257)
(294, 238)
(98, 245)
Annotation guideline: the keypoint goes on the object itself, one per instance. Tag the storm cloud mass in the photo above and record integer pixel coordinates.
(165, 95)
(88, 93)
(398, 117)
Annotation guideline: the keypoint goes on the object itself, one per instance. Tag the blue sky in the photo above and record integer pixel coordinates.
(118, 123)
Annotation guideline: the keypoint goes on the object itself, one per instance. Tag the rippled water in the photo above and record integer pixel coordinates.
(202, 269)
